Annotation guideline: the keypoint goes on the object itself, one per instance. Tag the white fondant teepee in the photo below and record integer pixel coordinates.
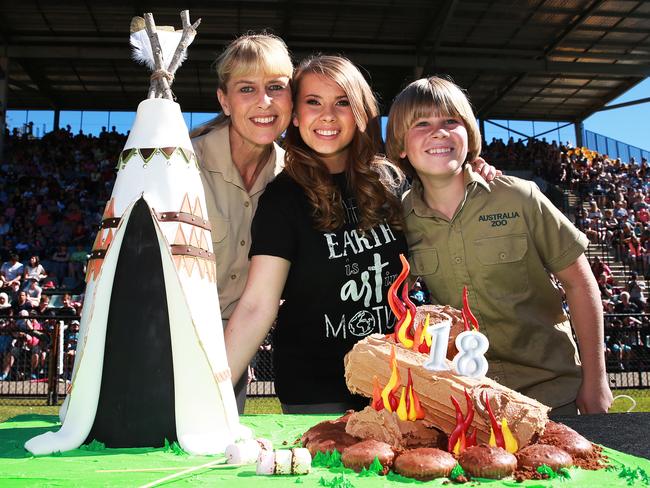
(151, 362)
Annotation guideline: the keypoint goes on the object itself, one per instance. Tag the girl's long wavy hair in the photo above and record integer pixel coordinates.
(373, 180)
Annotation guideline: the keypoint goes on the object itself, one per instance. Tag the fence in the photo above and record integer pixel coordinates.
(612, 147)
(39, 372)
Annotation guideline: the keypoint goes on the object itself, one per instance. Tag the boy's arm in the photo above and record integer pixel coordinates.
(594, 395)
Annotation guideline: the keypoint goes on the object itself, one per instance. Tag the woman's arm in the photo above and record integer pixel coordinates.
(583, 295)
(255, 311)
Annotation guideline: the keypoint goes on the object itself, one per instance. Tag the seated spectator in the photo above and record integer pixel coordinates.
(5, 306)
(33, 292)
(60, 261)
(605, 288)
(598, 268)
(620, 351)
(624, 304)
(636, 289)
(77, 263)
(34, 270)
(21, 303)
(12, 272)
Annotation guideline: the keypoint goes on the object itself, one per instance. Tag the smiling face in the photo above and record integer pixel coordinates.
(325, 120)
(259, 107)
(436, 145)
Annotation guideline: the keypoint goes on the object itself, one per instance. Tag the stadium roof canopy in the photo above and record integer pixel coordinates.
(519, 59)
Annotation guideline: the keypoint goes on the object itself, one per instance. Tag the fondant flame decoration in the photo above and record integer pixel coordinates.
(405, 310)
(460, 439)
(500, 435)
(151, 362)
(469, 320)
(408, 406)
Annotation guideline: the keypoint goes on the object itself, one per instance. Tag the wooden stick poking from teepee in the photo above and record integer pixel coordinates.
(159, 81)
(189, 32)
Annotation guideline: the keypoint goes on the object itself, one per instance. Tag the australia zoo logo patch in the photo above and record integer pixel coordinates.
(498, 219)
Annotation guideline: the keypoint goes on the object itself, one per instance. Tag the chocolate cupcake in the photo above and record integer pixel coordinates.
(567, 439)
(485, 461)
(425, 463)
(362, 454)
(535, 455)
(327, 436)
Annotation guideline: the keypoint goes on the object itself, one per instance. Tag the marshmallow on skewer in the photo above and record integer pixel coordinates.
(283, 461)
(300, 461)
(243, 452)
(265, 444)
(266, 462)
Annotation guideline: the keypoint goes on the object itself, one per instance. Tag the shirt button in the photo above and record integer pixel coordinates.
(458, 260)
(242, 243)
(502, 256)
(247, 204)
(233, 276)
(496, 378)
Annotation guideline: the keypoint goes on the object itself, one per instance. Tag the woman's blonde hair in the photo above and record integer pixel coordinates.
(372, 179)
(250, 53)
(420, 99)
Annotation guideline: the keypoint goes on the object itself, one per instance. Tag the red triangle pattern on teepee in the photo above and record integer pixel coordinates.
(180, 238)
(198, 211)
(185, 205)
(109, 210)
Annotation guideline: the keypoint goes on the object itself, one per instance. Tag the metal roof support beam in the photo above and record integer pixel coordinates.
(580, 127)
(509, 129)
(553, 129)
(436, 29)
(41, 82)
(625, 104)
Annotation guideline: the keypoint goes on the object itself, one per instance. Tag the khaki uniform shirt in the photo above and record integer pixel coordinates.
(230, 210)
(502, 241)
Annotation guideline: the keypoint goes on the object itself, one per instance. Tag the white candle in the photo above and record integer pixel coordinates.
(439, 340)
(470, 360)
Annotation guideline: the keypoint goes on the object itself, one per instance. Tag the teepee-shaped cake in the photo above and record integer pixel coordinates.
(151, 362)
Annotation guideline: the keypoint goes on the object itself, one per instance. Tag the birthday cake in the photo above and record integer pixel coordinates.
(433, 413)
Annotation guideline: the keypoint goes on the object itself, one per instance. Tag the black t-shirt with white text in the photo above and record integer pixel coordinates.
(335, 292)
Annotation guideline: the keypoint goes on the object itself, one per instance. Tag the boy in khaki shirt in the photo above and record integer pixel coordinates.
(500, 239)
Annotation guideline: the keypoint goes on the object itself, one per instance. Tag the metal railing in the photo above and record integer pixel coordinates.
(612, 147)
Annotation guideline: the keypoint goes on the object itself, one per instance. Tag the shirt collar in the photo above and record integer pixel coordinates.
(413, 200)
(216, 158)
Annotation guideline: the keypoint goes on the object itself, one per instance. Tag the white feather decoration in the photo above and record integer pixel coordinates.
(142, 48)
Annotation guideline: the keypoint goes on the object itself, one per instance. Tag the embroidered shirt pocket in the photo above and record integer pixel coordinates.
(424, 262)
(503, 264)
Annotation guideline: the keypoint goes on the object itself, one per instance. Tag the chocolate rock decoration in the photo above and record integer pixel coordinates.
(151, 362)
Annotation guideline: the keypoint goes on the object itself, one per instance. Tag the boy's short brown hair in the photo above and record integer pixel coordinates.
(420, 99)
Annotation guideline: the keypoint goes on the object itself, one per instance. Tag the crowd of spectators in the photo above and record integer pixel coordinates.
(52, 195)
(614, 211)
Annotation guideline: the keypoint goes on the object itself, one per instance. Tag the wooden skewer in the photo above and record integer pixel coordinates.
(212, 464)
(146, 470)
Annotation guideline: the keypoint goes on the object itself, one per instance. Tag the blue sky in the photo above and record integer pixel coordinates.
(630, 125)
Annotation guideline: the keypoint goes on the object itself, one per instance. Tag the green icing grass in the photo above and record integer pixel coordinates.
(632, 476)
(339, 481)
(457, 472)
(174, 448)
(392, 476)
(329, 459)
(375, 469)
(93, 446)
